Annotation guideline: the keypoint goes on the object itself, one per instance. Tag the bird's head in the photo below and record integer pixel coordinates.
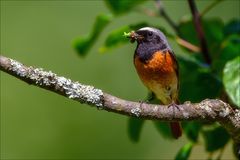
(148, 35)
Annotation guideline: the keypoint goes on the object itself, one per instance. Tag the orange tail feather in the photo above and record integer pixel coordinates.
(176, 129)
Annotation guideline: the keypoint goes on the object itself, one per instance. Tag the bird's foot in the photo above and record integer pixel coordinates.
(141, 102)
(151, 96)
(174, 105)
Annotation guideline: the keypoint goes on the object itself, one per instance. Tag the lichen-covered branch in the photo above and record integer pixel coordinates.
(211, 110)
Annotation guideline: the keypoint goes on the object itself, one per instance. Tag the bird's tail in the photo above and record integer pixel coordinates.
(176, 129)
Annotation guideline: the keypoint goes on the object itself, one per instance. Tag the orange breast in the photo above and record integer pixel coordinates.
(159, 75)
(160, 66)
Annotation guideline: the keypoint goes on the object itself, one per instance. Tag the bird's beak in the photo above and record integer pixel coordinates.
(134, 36)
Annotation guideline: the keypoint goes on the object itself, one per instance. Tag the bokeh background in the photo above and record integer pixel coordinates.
(37, 124)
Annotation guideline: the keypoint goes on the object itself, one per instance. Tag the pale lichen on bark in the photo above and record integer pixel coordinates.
(136, 111)
(49, 80)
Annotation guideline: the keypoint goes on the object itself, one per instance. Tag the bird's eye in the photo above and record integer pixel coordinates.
(150, 33)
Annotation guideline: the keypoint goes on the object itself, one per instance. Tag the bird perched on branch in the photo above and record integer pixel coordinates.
(157, 67)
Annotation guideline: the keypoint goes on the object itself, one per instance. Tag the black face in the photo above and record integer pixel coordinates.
(149, 41)
(151, 37)
(147, 36)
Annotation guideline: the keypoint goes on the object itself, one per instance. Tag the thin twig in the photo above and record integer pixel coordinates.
(211, 110)
(147, 11)
(163, 13)
(209, 7)
(199, 30)
(187, 45)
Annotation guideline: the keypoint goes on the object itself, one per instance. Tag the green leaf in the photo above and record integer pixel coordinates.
(184, 152)
(101, 22)
(122, 6)
(205, 84)
(231, 80)
(116, 38)
(191, 129)
(84, 43)
(233, 27)
(134, 128)
(164, 129)
(229, 49)
(215, 138)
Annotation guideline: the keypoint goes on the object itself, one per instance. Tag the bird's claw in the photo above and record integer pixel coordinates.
(174, 105)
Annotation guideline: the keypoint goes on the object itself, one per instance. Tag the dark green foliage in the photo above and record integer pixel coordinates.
(164, 129)
(192, 129)
(134, 128)
(84, 43)
(231, 80)
(122, 6)
(228, 48)
(184, 152)
(215, 138)
(212, 27)
(194, 76)
(233, 27)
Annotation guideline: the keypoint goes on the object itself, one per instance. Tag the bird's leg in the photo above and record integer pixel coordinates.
(141, 103)
(150, 97)
(174, 105)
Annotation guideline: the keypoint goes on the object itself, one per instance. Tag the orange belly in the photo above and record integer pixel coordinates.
(159, 76)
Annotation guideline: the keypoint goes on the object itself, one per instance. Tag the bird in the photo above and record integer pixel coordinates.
(157, 67)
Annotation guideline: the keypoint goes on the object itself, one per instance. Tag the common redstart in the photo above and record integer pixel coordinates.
(157, 68)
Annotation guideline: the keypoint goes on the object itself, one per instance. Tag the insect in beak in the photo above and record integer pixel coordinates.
(134, 36)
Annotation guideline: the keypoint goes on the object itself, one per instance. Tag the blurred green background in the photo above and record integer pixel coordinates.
(37, 124)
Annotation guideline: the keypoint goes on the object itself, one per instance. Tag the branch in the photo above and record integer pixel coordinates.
(211, 110)
(187, 45)
(200, 33)
(162, 12)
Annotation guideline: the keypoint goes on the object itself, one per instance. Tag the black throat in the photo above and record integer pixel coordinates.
(145, 51)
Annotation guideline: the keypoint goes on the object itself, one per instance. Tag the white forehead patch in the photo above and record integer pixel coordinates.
(148, 29)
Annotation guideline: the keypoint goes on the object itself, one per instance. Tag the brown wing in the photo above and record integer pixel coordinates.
(176, 66)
